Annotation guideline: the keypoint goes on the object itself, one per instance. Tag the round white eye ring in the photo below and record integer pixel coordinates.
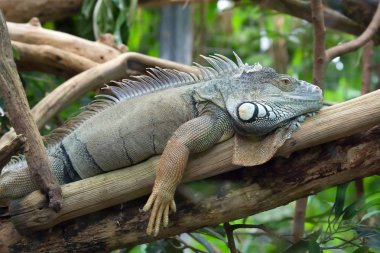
(246, 111)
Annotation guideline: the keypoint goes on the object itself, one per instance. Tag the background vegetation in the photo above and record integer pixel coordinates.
(337, 220)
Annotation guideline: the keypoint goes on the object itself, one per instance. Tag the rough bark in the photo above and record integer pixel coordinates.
(23, 10)
(109, 189)
(245, 192)
(319, 59)
(367, 67)
(21, 119)
(49, 59)
(33, 33)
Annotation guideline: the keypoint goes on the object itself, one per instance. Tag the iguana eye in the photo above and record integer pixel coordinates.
(285, 81)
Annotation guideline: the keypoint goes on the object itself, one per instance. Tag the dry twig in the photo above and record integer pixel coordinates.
(344, 48)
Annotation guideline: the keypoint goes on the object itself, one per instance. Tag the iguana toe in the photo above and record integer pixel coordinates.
(160, 212)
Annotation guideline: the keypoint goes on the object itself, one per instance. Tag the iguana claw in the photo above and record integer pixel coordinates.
(160, 212)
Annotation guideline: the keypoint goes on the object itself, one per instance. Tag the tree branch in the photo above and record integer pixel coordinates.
(302, 9)
(230, 237)
(21, 119)
(367, 67)
(252, 190)
(33, 33)
(344, 48)
(87, 195)
(49, 59)
(319, 60)
(15, 145)
(23, 10)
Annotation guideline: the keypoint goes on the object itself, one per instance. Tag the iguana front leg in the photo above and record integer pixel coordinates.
(194, 136)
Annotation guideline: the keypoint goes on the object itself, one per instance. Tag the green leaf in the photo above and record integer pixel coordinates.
(369, 215)
(315, 235)
(16, 54)
(212, 232)
(205, 243)
(339, 199)
(299, 247)
(353, 209)
(132, 11)
(357, 207)
(363, 249)
(314, 247)
(103, 18)
(88, 8)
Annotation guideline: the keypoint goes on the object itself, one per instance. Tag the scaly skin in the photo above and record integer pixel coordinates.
(194, 136)
(174, 114)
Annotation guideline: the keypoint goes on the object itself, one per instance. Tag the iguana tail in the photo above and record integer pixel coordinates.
(16, 180)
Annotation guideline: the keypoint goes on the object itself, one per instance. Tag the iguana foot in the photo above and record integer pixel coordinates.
(161, 202)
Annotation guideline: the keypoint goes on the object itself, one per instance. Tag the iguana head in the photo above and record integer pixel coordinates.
(260, 99)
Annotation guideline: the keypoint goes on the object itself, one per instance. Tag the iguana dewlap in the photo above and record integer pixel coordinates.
(174, 114)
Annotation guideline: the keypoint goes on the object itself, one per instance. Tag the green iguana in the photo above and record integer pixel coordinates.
(174, 114)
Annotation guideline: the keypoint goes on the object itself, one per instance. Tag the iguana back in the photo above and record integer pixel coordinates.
(174, 114)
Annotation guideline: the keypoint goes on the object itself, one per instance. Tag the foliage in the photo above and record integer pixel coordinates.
(332, 225)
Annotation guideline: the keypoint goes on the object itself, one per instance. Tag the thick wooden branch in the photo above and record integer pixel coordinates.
(249, 191)
(344, 48)
(33, 33)
(49, 59)
(21, 119)
(115, 187)
(24, 10)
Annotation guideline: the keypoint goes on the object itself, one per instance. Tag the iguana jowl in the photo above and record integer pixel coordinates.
(174, 114)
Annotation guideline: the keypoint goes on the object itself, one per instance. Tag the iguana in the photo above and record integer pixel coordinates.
(174, 114)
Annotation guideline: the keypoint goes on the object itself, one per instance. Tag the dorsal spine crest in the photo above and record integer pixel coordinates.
(160, 79)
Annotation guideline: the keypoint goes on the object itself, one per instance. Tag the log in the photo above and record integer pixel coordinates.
(245, 192)
(33, 33)
(49, 59)
(23, 10)
(116, 187)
